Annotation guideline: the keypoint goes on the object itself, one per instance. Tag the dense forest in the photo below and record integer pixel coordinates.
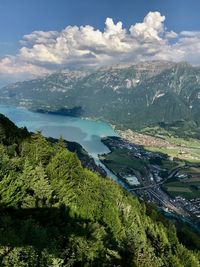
(54, 212)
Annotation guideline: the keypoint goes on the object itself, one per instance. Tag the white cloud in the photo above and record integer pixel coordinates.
(11, 65)
(150, 29)
(39, 37)
(45, 52)
(171, 35)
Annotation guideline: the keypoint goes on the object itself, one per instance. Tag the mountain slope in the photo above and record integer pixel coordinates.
(56, 213)
(130, 96)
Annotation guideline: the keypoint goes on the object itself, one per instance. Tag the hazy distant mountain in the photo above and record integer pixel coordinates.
(129, 95)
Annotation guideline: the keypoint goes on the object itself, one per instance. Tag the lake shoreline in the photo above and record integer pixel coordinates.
(90, 135)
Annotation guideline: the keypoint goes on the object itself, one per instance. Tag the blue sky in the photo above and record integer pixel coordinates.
(20, 17)
(180, 28)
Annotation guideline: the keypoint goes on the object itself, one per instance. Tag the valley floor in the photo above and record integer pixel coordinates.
(143, 163)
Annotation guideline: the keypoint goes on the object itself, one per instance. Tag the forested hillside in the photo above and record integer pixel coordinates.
(56, 213)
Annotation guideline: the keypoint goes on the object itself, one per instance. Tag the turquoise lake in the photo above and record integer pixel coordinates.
(88, 133)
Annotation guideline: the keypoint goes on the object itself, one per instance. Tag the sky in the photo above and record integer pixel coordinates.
(38, 37)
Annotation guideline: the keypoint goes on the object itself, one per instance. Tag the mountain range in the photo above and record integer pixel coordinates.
(129, 96)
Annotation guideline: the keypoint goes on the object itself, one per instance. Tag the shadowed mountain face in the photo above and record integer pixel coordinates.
(54, 212)
(39, 227)
(132, 96)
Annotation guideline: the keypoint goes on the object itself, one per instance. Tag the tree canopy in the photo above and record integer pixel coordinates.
(54, 212)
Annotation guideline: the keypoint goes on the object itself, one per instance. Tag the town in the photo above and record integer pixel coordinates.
(146, 173)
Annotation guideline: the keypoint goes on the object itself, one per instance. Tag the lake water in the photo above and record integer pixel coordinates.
(88, 133)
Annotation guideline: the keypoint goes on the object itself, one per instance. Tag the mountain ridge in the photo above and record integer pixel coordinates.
(131, 96)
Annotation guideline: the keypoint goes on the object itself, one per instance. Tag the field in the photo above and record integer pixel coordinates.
(159, 140)
(178, 189)
(189, 154)
(119, 160)
(187, 149)
(187, 189)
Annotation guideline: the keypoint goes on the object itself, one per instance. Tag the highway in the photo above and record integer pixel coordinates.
(172, 173)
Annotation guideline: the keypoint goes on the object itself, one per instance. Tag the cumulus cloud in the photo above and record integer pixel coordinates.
(12, 69)
(10, 65)
(171, 35)
(39, 37)
(150, 29)
(74, 47)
